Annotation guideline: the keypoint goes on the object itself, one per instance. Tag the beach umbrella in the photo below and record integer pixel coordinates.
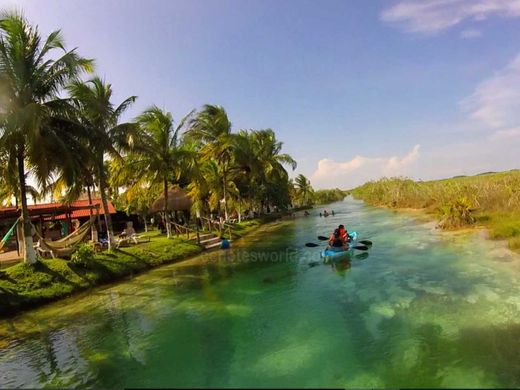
(178, 200)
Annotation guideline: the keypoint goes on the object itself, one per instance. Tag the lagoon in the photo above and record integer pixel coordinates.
(423, 309)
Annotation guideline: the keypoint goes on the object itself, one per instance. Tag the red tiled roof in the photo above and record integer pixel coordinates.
(54, 208)
(86, 212)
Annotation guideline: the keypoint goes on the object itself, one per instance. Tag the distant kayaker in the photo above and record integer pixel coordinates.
(335, 240)
(325, 213)
(332, 212)
(306, 213)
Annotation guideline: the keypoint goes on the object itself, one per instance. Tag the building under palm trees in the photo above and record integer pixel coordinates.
(52, 221)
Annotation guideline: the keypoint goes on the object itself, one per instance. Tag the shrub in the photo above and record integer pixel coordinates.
(458, 213)
(84, 256)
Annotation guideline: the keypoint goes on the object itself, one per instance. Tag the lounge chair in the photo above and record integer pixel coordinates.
(129, 236)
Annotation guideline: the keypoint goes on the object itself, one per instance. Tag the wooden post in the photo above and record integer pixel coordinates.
(98, 217)
(41, 226)
(198, 234)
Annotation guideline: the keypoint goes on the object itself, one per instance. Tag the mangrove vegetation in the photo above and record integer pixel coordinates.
(490, 199)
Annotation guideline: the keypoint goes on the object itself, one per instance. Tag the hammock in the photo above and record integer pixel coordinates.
(71, 240)
(9, 234)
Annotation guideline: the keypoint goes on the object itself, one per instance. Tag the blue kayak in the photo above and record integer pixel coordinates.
(338, 253)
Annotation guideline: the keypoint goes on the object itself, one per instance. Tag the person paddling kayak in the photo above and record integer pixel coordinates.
(344, 234)
(336, 241)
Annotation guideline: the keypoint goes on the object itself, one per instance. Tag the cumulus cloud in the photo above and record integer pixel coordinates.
(506, 134)
(470, 34)
(361, 168)
(433, 16)
(495, 103)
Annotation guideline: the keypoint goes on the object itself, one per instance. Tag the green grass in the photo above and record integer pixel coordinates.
(490, 199)
(25, 285)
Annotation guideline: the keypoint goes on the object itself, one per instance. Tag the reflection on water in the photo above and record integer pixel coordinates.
(420, 308)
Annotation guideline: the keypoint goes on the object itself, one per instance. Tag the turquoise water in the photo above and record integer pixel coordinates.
(423, 309)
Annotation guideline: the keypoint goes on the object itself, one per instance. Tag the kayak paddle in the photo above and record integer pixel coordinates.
(361, 247)
(361, 256)
(364, 242)
(358, 247)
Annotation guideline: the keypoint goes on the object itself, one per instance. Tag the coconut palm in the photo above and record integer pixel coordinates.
(32, 130)
(158, 154)
(304, 190)
(273, 174)
(8, 180)
(211, 127)
(257, 153)
(98, 116)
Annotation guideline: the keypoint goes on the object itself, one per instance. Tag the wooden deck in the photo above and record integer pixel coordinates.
(9, 258)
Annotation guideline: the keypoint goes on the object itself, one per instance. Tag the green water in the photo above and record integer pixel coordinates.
(423, 309)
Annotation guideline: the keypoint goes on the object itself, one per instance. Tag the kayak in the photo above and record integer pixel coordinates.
(338, 253)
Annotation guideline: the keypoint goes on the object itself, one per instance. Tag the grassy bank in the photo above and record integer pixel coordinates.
(25, 285)
(491, 200)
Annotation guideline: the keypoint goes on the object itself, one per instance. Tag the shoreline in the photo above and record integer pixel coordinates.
(24, 287)
(477, 229)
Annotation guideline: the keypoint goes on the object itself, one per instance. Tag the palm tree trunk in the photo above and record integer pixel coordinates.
(29, 254)
(166, 214)
(93, 225)
(104, 201)
(224, 193)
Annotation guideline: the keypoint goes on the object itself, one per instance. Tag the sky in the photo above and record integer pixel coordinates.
(356, 90)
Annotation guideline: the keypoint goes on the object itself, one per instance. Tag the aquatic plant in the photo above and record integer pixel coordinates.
(491, 199)
(456, 214)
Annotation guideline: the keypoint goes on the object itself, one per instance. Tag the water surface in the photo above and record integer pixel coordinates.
(423, 309)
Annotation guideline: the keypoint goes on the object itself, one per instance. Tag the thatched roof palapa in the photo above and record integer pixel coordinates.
(178, 200)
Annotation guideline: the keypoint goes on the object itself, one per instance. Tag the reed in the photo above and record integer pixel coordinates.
(491, 199)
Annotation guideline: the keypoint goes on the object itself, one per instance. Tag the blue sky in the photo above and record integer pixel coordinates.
(355, 89)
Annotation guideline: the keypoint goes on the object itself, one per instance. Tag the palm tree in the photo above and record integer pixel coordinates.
(304, 190)
(32, 74)
(8, 180)
(96, 114)
(274, 176)
(212, 128)
(157, 153)
(257, 154)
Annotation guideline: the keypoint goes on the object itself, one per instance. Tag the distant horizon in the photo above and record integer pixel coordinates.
(356, 90)
(437, 179)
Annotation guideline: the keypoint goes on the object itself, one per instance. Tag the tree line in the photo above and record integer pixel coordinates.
(63, 128)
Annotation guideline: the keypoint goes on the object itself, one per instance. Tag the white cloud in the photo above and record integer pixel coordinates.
(513, 133)
(470, 34)
(395, 165)
(433, 16)
(361, 169)
(496, 101)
